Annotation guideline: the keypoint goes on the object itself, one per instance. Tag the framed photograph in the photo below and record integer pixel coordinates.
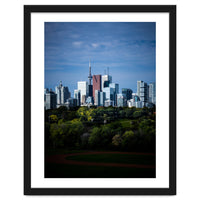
(100, 100)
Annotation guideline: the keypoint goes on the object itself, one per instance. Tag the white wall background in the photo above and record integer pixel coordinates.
(11, 101)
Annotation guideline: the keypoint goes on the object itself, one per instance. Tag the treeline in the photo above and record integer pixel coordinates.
(98, 114)
(124, 129)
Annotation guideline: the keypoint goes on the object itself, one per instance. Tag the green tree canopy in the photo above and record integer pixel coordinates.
(53, 118)
(147, 126)
(137, 114)
(55, 135)
(117, 140)
(95, 137)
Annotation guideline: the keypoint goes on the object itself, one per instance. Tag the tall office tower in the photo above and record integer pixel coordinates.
(102, 98)
(83, 87)
(152, 93)
(138, 87)
(90, 82)
(121, 100)
(106, 80)
(109, 93)
(127, 93)
(62, 93)
(50, 100)
(115, 86)
(142, 91)
(96, 84)
(77, 95)
(97, 98)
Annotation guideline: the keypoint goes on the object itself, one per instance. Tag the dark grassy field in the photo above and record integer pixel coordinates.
(53, 170)
(115, 158)
(75, 171)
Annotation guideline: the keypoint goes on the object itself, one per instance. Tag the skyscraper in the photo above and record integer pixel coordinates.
(115, 87)
(152, 93)
(102, 98)
(50, 100)
(83, 87)
(90, 82)
(127, 93)
(138, 87)
(97, 98)
(96, 84)
(62, 93)
(77, 95)
(142, 91)
(106, 80)
(109, 93)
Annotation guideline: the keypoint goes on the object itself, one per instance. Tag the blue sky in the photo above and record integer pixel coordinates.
(128, 49)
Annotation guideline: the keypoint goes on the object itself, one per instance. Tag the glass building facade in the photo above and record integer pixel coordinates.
(102, 98)
(127, 93)
(115, 86)
(83, 88)
(109, 93)
(77, 95)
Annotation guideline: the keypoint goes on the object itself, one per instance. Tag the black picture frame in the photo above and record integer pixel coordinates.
(28, 9)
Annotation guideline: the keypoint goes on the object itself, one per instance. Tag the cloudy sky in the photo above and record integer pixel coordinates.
(128, 49)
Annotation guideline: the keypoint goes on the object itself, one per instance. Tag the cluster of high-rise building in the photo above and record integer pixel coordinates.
(99, 90)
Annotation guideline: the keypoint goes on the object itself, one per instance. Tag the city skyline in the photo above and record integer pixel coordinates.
(128, 49)
(105, 96)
